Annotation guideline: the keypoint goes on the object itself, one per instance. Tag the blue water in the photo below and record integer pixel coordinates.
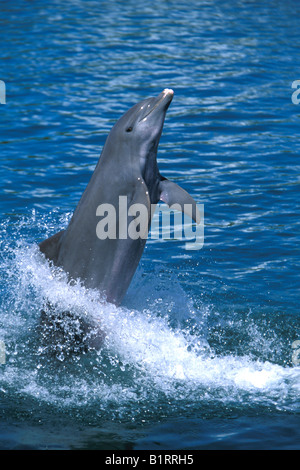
(199, 356)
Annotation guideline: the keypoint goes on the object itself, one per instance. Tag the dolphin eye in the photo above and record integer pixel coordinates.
(129, 129)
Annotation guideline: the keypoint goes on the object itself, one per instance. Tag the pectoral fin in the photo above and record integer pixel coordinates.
(171, 193)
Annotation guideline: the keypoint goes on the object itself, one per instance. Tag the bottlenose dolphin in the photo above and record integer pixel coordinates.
(127, 167)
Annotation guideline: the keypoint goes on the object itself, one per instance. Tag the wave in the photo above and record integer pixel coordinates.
(162, 354)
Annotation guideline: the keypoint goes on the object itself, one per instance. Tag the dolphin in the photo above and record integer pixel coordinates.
(127, 168)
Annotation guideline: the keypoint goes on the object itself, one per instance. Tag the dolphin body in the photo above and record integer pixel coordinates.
(127, 167)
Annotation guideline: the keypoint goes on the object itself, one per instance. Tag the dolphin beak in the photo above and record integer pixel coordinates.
(168, 91)
(166, 95)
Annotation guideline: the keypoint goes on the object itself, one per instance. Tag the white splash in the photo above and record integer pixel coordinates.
(162, 357)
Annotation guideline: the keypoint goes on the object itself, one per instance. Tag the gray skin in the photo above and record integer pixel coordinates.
(127, 167)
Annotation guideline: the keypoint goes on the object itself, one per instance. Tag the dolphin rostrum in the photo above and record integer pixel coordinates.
(125, 177)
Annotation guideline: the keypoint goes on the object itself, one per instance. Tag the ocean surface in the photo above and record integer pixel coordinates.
(202, 352)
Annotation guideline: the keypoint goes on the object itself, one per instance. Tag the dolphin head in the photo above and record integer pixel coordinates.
(138, 131)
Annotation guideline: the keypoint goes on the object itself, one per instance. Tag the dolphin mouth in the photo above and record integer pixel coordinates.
(166, 93)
